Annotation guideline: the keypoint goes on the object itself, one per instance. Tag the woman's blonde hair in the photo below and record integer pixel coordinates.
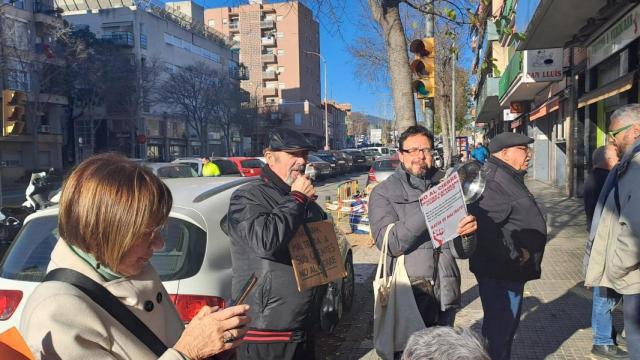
(108, 203)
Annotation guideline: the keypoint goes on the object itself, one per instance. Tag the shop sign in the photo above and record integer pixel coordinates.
(615, 38)
(544, 65)
(507, 115)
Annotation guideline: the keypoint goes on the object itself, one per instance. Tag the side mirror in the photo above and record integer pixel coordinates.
(472, 178)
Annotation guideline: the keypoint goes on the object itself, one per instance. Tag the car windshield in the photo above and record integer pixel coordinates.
(325, 157)
(354, 152)
(227, 167)
(251, 164)
(29, 255)
(384, 151)
(371, 152)
(176, 171)
(386, 165)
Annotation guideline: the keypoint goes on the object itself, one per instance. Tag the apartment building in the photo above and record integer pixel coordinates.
(29, 60)
(171, 35)
(279, 44)
(337, 115)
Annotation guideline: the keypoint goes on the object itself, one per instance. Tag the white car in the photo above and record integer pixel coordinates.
(194, 265)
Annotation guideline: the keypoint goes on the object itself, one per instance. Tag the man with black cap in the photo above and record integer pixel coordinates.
(262, 219)
(512, 234)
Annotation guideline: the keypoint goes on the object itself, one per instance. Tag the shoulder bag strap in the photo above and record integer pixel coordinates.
(436, 260)
(382, 261)
(101, 296)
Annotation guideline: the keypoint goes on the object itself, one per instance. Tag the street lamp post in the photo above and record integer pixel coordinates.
(326, 118)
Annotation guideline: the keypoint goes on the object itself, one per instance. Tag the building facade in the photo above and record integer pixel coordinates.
(279, 44)
(30, 61)
(337, 115)
(171, 36)
(562, 81)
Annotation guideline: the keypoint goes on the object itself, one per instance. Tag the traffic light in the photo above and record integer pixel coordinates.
(424, 67)
(13, 112)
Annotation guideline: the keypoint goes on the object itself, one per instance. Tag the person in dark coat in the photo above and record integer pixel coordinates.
(262, 219)
(512, 234)
(396, 200)
(604, 299)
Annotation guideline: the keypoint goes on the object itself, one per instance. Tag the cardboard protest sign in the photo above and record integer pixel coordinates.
(443, 207)
(315, 255)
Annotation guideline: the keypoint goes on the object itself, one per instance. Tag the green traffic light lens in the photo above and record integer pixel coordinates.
(421, 89)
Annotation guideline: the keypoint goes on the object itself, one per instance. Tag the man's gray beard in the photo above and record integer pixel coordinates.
(290, 178)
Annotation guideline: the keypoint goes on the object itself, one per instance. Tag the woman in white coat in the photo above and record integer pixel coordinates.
(111, 214)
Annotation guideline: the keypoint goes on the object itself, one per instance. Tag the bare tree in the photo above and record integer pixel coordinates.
(230, 117)
(192, 92)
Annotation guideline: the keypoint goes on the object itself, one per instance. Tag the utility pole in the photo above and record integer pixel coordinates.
(429, 109)
(453, 104)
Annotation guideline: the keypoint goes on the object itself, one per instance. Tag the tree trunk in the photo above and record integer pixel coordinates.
(387, 14)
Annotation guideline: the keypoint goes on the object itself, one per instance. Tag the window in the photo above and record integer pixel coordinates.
(211, 23)
(11, 159)
(271, 84)
(18, 77)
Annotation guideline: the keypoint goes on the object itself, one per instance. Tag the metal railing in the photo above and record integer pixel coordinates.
(510, 73)
(120, 38)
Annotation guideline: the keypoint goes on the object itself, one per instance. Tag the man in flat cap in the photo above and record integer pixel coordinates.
(262, 219)
(512, 234)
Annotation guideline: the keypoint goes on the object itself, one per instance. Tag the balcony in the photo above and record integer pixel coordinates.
(487, 105)
(143, 41)
(46, 14)
(269, 41)
(124, 38)
(513, 70)
(234, 26)
(267, 24)
(269, 92)
(528, 73)
(269, 58)
(269, 75)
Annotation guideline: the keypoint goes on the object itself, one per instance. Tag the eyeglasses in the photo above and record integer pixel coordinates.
(615, 132)
(416, 151)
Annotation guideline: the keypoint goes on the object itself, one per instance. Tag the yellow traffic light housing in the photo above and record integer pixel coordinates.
(13, 112)
(423, 67)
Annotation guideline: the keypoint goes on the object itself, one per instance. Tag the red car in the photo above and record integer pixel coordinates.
(248, 166)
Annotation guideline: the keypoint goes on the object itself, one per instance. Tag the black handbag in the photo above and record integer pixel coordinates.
(101, 296)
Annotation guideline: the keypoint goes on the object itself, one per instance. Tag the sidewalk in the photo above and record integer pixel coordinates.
(556, 316)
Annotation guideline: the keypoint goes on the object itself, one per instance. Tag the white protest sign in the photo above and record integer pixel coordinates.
(443, 207)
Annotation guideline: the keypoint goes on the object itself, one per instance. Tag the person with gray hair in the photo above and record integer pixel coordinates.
(614, 260)
(604, 300)
(443, 342)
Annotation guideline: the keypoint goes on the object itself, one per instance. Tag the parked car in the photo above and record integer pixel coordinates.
(335, 169)
(170, 170)
(226, 166)
(194, 265)
(317, 169)
(342, 164)
(382, 168)
(248, 166)
(381, 149)
(371, 154)
(359, 161)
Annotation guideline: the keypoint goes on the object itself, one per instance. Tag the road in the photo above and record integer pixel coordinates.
(352, 337)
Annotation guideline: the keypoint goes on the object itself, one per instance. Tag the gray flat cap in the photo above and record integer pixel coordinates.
(508, 139)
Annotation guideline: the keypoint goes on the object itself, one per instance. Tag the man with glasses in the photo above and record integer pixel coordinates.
(396, 200)
(512, 234)
(615, 229)
(262, 219)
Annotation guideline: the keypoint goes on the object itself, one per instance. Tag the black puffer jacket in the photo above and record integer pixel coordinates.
(263, 217)
(509, 220)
